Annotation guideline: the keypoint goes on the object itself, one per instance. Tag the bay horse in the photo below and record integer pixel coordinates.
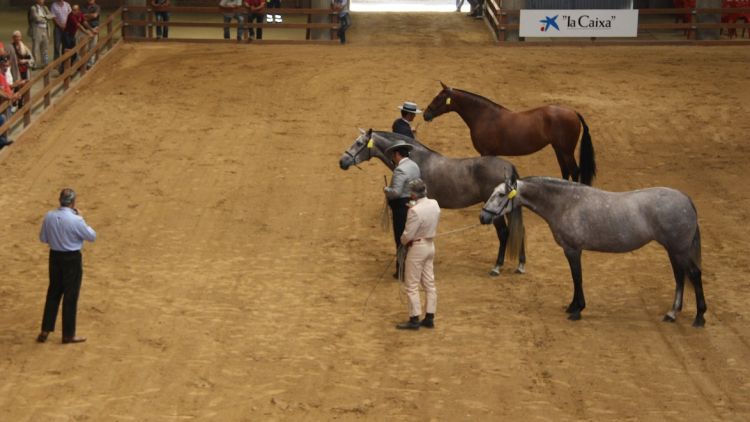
(495, 130)
(585, 218)
(453, 182)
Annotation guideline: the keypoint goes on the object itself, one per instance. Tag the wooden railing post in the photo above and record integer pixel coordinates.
(500, 27)
(123, 29)
(66, 80)
(150, 24)
(29, 106)
(109, 31)
(693, 20)
(47, 98)
(83, 51)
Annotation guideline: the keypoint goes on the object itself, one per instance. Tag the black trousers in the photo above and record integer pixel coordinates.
(399, 209)
(65, 275)
(258, 18)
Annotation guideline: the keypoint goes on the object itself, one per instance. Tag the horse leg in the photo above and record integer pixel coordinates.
(568, 166)
(679, 278)
(501, 228)
(561, 162)
(578, 303)
(694, 274)
(522, 258)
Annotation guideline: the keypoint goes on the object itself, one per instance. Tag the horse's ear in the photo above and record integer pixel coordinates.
(369, 132)
(513, 183)
(361, 131)
(446, 87)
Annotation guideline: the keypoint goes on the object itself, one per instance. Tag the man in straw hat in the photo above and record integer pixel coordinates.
(403, 125)
(421, 228)
(398, 191)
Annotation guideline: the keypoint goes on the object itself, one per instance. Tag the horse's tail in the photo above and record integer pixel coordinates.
(516, 230)
(586, 158)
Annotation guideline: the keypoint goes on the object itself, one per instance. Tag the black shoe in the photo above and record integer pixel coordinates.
(5, 144)
(411, 324)
(427, 323)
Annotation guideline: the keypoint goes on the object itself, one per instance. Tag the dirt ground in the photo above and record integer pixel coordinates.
(234, 257)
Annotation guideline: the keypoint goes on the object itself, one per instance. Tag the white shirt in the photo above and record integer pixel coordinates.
(65, 231)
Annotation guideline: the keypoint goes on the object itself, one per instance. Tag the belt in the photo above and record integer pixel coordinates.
(422, 238)
(64, 253)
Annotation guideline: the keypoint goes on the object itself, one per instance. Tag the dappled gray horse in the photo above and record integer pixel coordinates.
(582, 217)
(453, 182)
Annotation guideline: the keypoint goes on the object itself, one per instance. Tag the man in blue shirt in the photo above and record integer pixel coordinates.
(64, 230)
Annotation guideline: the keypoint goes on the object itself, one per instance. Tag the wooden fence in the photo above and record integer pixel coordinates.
(139, 23)
(503, 22)
(70, 69)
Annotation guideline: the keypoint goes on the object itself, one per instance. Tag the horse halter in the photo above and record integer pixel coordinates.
(447, 102)
(507, 200)
(369, 144)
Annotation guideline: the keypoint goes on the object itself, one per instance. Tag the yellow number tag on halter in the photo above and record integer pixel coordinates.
(369, 143)
(512, 194)
(448, 101)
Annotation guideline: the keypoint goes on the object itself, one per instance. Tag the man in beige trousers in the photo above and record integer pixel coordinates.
(421, 228)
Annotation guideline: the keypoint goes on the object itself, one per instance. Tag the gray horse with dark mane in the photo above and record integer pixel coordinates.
(453, 182)
(585, 218)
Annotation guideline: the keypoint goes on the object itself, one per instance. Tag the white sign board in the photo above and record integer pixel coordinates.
(579, 23)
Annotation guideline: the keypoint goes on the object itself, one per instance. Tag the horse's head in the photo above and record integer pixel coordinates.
(441, 104)
(368, 145)
(503, 200)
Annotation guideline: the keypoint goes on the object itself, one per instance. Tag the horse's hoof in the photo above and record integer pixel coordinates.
(570, 309)
(669, 318)
(574, 316)
(495, 272)
(521, 269)
(699, 322)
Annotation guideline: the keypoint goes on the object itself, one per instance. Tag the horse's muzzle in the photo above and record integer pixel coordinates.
(427, 116)
(485, 217)
(345, 162)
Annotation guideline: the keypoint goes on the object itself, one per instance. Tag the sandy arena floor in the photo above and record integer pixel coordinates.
(234, 256)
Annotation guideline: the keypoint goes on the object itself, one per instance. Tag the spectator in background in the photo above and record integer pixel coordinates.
(91, 12)
(39, 14)
(341, 7)
(256, 11)
(60, 11)
(12, 74)
(161, 12)
(23, 56)
(76, 21)
(231, 9)
(477, 9)
(7, 96)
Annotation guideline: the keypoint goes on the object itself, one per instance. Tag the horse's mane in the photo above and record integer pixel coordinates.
(552, 181)
(479, 98)
(398, 136)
